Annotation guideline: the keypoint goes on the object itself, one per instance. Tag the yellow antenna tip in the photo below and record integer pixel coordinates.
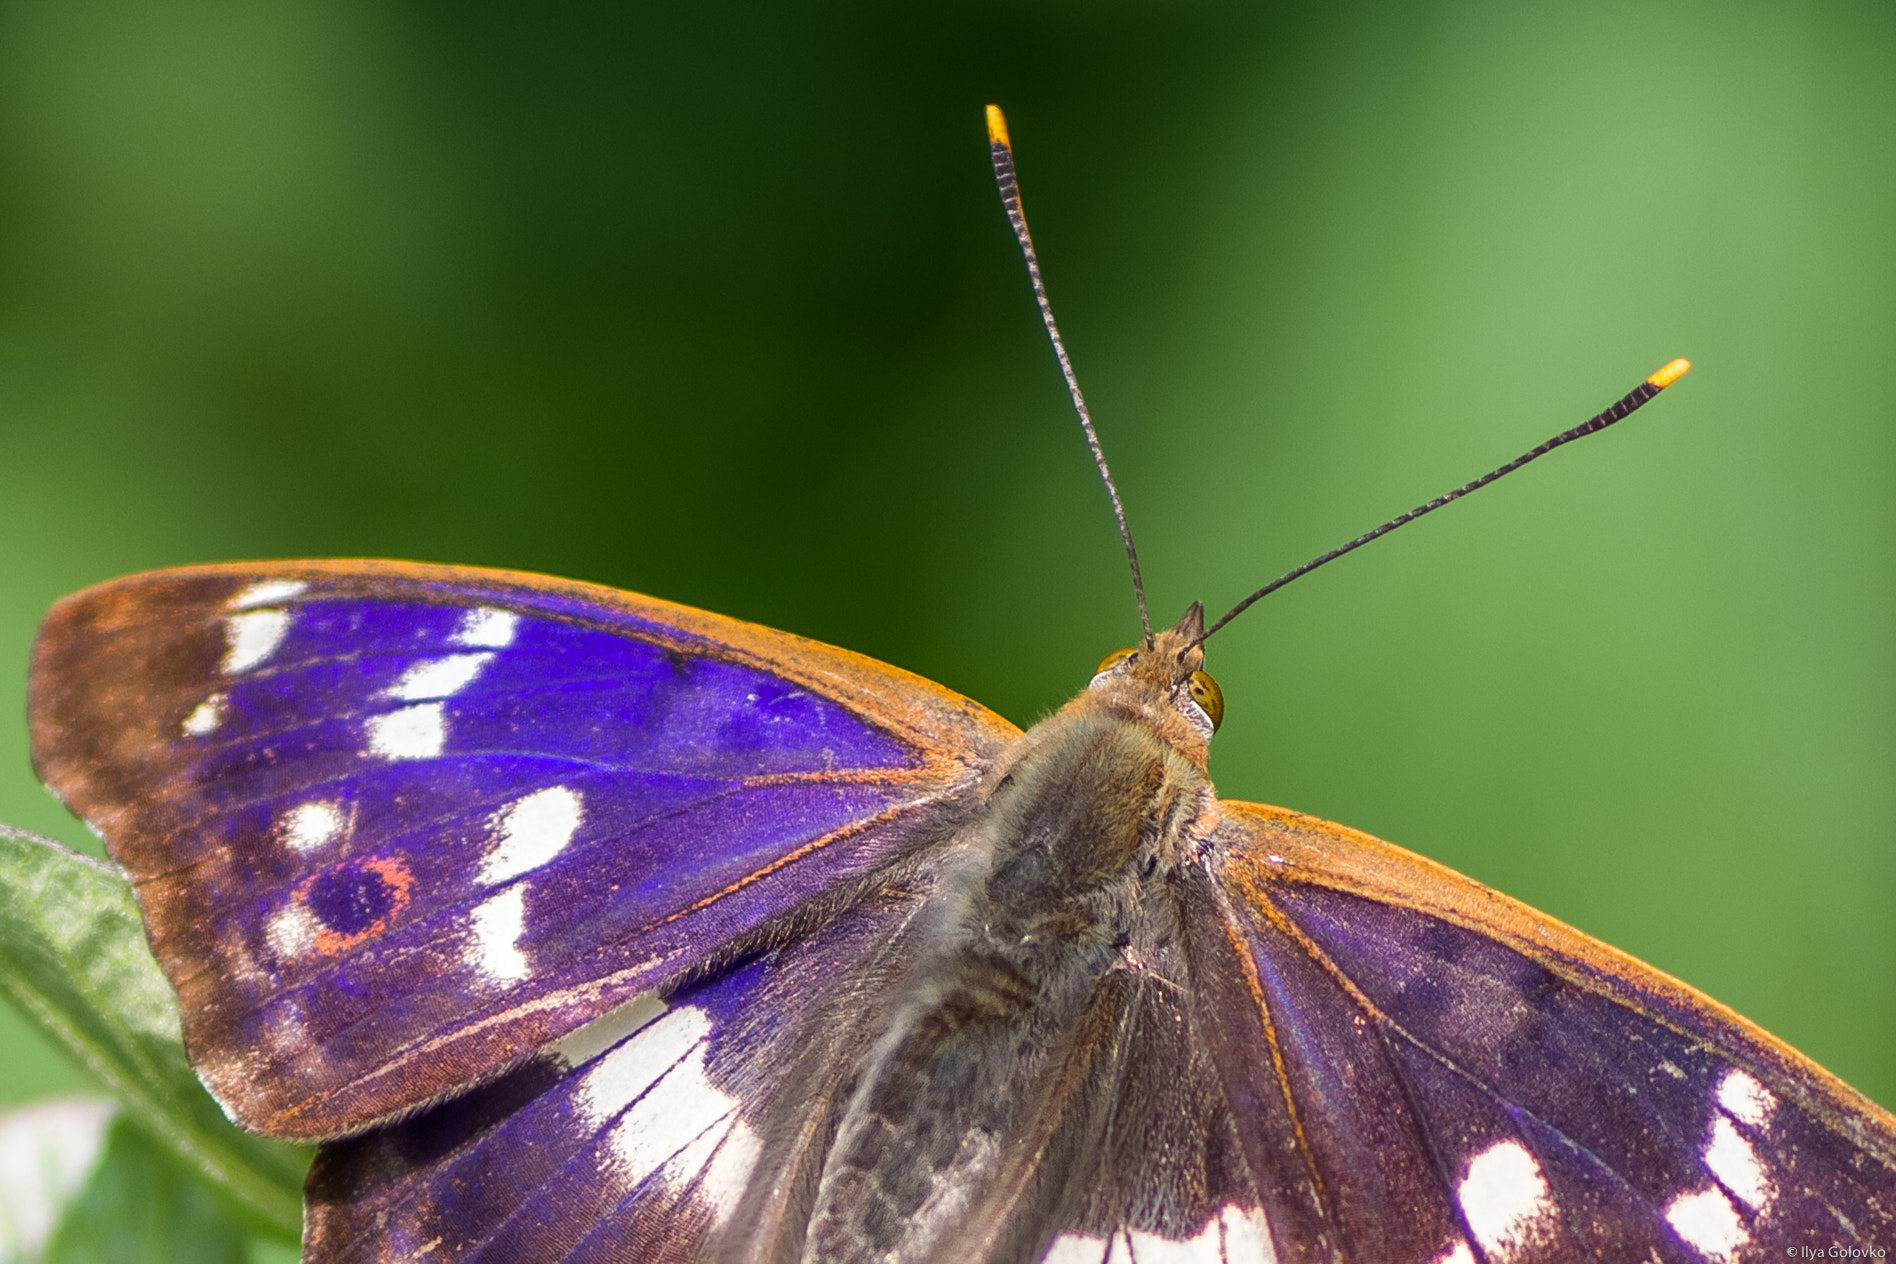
(1664, 377)
(997, 128)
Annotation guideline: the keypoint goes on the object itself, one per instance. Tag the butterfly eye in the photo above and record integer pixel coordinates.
(1112, 660)
(1209, 697)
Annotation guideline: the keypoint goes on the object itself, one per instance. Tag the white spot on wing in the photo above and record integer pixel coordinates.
(1458, 1254)
(618, 1078)
(729, 1173)
(1119, 1251)
(686, 1163)
(487, 628)
(493, 941)
(1505, 1201)
(251, 638)
(438, 677)
(667, 1118)
(1746, 1100)
(1247, 1236)
(530, 832)
(719, 1162)
(1735, 1164)
(1075, 1248)
(1708, 1223)
(417, 732)
(291, 931)
(267, 592)
(285, 1032)
(205, 718)
(683, 1167)
(308, 826)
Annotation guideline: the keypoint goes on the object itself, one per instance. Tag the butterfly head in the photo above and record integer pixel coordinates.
(1163, 682)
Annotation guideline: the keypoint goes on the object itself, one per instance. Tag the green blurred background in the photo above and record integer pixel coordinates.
(719, 305)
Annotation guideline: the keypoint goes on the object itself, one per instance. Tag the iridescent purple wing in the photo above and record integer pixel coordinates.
(694, 1126)
(695, 1123)
(650, 1135)
(395, 825)
(1422, 1069)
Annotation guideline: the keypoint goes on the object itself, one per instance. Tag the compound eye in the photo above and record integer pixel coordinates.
(1210, 698)
(1112, 660)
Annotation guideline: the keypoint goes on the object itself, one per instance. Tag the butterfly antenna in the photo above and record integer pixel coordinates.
(1665, 377)
(1003, 153)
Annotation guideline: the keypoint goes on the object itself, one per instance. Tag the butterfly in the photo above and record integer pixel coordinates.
(580, 926)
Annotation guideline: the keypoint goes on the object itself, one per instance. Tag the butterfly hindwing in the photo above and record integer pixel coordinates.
(698, 1125)
(393, 826)
(685, 1125)
(1146, 1161)
(1448, 1075)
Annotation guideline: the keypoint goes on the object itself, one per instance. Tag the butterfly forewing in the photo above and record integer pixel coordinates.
(395, 826)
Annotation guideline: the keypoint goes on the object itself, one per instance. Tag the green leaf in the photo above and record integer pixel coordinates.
(274, 1251)
(141, 1206)
(73, 957)
(48, 1151)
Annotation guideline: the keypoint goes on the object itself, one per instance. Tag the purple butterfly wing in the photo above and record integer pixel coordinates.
(694, 1124)
(1420, 1068)
(649, 1135)
(392, 825)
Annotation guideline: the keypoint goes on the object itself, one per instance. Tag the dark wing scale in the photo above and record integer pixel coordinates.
(392, 824)
(1131, 1150)
(1152, 1168)
(1320, 1107)
(679, 1128)
(1462, 1069)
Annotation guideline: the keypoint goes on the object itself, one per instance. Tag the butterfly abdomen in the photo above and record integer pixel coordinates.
(961, 1098)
